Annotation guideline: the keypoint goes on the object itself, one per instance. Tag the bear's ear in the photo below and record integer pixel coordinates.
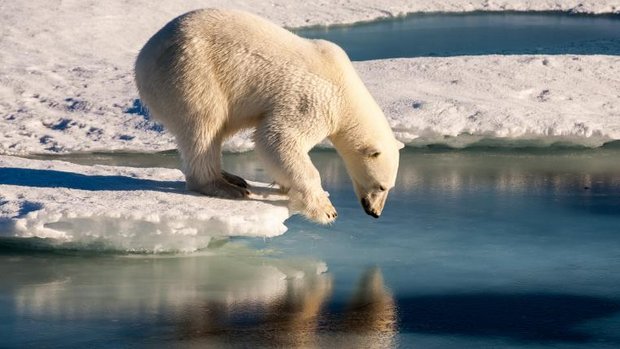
(370, 151)
(400, 145)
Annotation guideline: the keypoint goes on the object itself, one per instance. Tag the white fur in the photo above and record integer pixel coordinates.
(210, 73)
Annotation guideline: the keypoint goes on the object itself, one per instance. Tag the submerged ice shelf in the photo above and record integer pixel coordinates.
(138, 209)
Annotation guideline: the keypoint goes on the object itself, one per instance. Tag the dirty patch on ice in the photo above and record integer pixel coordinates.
(125, 208)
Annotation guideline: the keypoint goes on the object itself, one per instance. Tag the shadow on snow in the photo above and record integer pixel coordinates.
(60, 179)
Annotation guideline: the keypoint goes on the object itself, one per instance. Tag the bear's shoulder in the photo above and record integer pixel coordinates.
(330, 51)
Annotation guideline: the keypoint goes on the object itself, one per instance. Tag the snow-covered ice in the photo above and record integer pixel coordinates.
(541, 99)
(66, 81)
(125, 208)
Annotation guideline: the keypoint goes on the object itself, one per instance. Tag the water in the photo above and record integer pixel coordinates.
(476, 248)
(477, 33)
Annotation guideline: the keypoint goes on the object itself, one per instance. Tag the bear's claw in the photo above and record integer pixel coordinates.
(236, 180)
(220, 189)
(325, 214)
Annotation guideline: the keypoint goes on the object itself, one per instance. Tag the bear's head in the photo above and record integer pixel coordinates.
(373, 171)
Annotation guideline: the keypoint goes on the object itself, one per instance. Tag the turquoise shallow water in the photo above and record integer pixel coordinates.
(477, 33)
(476, 248)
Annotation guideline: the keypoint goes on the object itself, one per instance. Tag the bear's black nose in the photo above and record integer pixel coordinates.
(369, 211)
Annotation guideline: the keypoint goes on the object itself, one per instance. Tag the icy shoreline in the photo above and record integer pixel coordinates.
(133, 209)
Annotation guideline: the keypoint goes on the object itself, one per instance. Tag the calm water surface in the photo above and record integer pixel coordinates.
(477, 33)
(476, 249)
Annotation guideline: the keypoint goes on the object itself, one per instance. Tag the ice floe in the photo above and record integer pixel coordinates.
(538, 100)
(125, 208)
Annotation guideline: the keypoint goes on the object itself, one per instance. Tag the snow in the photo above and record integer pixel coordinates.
(126, 208)
(66, 81)
(538, 100)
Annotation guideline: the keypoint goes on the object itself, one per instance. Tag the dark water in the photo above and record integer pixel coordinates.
(478, 33)
(476, 249)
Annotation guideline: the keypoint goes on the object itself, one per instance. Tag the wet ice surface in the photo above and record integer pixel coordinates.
(478, 248)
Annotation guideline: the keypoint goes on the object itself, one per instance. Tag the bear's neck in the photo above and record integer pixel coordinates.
(359, 120)
(356, 131)
(359, 125)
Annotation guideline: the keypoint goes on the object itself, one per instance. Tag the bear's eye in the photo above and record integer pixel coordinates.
(382, 188)
(375, 154)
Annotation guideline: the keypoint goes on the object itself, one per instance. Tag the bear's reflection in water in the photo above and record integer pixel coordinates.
(299, 318)
(231, 297)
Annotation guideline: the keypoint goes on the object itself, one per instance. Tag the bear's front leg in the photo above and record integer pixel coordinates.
(291, 167)
(313, 204)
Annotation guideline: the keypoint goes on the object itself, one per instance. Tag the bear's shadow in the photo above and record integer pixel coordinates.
(42, 178)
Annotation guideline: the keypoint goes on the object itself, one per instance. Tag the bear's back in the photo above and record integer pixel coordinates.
(244, 62)
(227, 40)
(231, 32)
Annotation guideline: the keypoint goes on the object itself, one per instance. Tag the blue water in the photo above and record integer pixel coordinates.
(476, 249)
(477, 33)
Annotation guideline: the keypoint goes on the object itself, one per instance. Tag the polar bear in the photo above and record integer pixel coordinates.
(211, 73)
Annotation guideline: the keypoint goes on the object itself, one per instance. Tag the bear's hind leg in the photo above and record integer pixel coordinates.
(219, 188)
(202, 162)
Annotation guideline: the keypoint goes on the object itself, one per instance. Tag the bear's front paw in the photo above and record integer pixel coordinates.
(322, 215)
(318, 209)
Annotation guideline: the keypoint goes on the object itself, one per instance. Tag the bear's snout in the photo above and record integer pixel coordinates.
(368, 209)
